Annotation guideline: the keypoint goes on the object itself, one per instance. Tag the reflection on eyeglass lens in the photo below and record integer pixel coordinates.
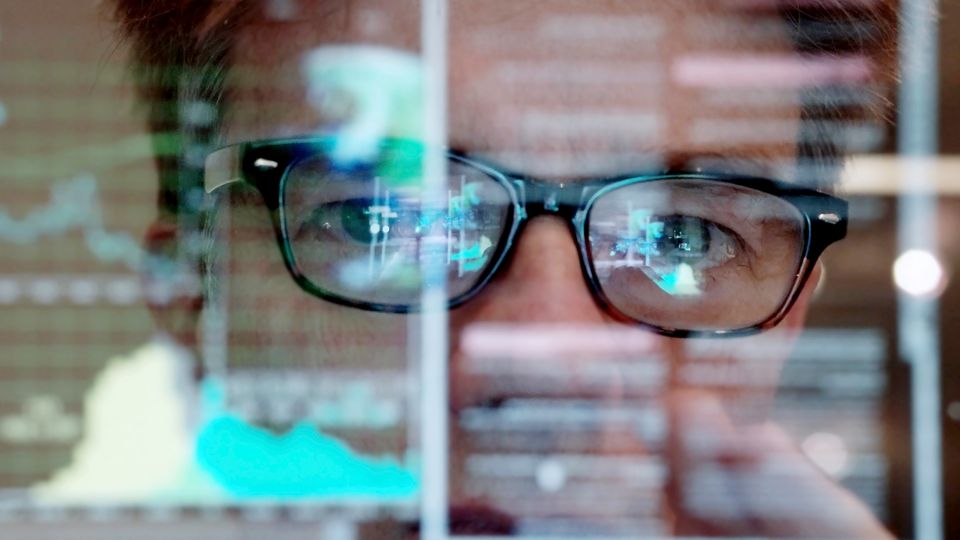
(673, 252)
(695, 254)
(366, 237)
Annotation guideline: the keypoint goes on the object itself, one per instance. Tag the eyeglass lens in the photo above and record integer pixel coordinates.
(364, 235)
(681, 253)
(694, 254)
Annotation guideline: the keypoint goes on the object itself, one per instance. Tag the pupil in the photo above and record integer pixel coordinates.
(684, 237)
(357, 223)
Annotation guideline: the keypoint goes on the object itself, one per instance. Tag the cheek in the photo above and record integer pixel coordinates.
(745, 370)
(744, 373)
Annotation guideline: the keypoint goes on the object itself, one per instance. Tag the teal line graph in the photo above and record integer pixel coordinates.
(74, 204)
(250, 462)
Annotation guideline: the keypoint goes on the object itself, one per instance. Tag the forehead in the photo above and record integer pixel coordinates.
(555, 88)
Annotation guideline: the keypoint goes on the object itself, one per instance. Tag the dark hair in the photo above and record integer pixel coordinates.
(181, 52)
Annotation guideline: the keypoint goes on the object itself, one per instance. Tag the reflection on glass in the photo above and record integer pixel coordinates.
(695, 254)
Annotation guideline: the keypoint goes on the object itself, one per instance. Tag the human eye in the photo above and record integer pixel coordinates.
(368, 239)
(697, 242)
(346, 220)
(362, 221)
(692, 238)
(676, 251)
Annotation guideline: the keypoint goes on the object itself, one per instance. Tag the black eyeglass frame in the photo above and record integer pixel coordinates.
(264, 165)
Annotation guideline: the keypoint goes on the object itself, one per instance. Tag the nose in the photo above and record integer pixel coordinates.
(541, 283)
(536, 332)
(540, 295)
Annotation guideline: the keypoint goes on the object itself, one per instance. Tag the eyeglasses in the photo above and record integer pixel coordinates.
(682, 254)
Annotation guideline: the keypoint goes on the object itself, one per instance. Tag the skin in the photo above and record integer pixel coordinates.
(497, 116)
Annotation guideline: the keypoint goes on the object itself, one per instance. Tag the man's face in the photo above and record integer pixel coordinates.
(562, 90)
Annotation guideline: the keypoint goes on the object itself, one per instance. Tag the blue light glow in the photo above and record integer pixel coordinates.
(251, 462)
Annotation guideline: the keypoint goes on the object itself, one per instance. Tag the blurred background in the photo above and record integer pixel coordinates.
(79, 192)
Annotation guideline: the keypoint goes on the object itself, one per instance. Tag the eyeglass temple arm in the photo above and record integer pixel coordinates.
(222, 167)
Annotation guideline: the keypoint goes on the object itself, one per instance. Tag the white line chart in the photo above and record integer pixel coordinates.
(74, 205)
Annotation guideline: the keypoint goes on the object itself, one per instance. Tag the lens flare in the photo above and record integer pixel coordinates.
(919, 273)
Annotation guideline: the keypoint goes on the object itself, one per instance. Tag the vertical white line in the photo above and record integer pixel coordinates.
(646, 240)
(433, 337)
(213, 317)
(374, 220)
(632, 233)
(462, 218)
(449, 228)
(384, 229)
(918, 318)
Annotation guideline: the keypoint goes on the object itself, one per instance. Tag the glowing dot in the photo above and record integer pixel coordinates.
(123, 291)
(551, 475)
(953, 411)
(159, 292)
(82, 291)
(9, 291)
(374, 228)
(45, 291)
(827, 451)
(386, 228)
(918, 273)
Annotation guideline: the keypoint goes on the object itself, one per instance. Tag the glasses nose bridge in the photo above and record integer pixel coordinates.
(541, 198)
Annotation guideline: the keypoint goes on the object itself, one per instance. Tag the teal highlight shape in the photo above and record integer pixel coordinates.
(668, 283)
(400, 162)
(474, 265)
(680, 282)
(252, 463)
(474, 257)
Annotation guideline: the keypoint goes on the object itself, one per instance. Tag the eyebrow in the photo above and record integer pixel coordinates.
(821, 173)
(755, 162)
(752, 162)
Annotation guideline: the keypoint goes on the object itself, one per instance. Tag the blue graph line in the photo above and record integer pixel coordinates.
(250, 462)
(74, 204)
